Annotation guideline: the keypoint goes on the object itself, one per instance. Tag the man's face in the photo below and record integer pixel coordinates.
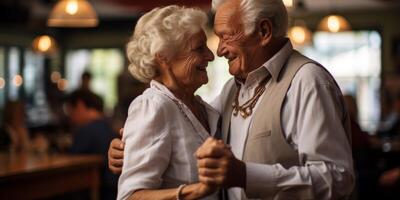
(238, 48)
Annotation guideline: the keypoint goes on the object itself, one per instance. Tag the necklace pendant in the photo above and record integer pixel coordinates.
(249, 111)
(243, 114)
(235, 111)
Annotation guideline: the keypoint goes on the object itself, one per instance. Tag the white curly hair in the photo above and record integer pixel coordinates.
(253, 10)
(162, 30)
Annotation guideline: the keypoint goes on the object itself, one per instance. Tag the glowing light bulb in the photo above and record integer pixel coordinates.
(71, 7)
(288, 3)
(44, 43)
(2, 83)
(62, 84)
(55, 76)
(298, 34)
(333, 24)
(18, 80)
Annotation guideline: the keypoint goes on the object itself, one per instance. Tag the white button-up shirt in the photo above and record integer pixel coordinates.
(312, 123)
(161, 136)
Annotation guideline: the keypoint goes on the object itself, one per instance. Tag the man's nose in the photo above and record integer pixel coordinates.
(221, 51)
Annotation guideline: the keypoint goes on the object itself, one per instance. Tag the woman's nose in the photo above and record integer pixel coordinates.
(209, 55)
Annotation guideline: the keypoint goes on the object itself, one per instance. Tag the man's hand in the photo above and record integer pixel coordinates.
(218, 166)
(116, 154)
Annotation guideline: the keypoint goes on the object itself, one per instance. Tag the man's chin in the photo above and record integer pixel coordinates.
(234, 71)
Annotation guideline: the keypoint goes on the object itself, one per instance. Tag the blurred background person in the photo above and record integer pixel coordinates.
(92, 134)
(389, 126)
(388, 183)
(14, 135)
(86, 79)
(359, 137)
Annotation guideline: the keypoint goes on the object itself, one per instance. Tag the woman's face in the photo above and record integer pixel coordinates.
(189, 66)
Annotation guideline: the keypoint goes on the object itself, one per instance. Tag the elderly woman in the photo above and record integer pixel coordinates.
(167, 123)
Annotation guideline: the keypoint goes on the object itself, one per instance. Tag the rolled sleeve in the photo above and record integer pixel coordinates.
(260, 179)
(147, 147)
(323, 138)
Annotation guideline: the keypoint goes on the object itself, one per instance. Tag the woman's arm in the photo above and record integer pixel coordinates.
(192, 191)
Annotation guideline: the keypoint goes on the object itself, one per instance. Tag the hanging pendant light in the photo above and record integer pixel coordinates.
(299, 34)
(288, 3)
(334, 24)
(44, 44)
(73, 13)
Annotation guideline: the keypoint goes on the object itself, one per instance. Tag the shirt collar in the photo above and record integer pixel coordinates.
(274, 65)
(212, 114)
(162, 88)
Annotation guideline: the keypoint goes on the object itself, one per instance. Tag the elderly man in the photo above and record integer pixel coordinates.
(283, 115)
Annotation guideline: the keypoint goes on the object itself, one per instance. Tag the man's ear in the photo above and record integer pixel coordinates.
(265, 31)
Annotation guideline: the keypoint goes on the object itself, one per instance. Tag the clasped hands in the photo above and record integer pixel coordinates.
(218, 167)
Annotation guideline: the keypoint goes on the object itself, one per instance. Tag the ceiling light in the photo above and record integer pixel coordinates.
(2, 83)
(55, 76)
(62, 84)
(73, 13)
(288, 3)
(18, 80)
(44, 44)
(334, 24)
(299, 34)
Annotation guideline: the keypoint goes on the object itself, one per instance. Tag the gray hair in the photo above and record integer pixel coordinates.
(254, 10)
(162, 30)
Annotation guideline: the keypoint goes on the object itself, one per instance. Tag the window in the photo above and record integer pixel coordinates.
(2, 77)
(15, 79)
(103, 64)
(354, 59)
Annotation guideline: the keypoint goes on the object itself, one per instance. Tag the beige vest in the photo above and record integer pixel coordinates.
(265, 141)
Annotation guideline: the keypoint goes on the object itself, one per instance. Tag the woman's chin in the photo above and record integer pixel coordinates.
(201, 82)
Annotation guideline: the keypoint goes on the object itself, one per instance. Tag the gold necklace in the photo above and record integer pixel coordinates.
(246, 109)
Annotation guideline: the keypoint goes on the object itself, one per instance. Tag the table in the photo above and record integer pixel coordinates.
(33, 176)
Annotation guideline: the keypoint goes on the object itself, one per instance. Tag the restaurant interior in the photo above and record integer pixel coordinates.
(51, 48)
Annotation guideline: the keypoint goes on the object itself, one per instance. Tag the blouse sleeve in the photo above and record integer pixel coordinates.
(147, 147)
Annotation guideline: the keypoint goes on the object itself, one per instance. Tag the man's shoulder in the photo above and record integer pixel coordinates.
(313, 73)
(95, 127)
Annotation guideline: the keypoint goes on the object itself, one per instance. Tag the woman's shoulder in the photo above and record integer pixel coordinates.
(152, 99)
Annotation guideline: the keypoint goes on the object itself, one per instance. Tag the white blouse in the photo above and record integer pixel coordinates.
(161, 136)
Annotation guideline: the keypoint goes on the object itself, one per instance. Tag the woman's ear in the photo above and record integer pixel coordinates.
(265, 27)
(162, 61)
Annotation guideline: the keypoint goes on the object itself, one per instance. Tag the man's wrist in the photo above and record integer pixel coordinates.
(243, 175)
(240, 175)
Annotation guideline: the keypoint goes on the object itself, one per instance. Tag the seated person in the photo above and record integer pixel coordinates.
(92, 134)
(14, 135)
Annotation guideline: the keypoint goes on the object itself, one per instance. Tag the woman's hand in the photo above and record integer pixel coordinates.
(206, 189)
(198, 190)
